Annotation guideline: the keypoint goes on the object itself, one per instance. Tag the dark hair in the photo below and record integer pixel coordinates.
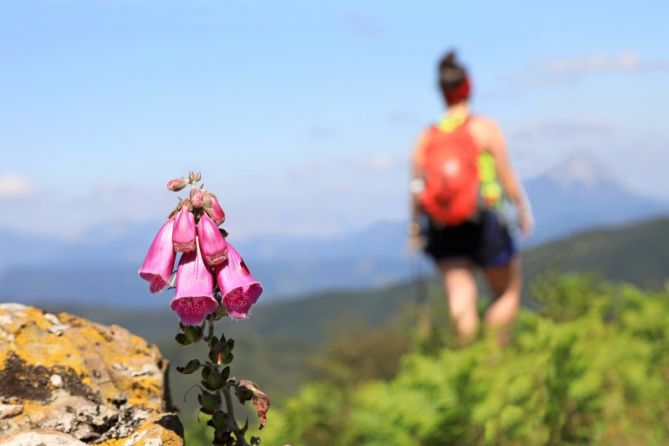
(451, 73)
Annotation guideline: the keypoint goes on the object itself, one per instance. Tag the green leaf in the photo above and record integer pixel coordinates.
(182, 339)
(220, 420)
(210, 402)
(212, 378)
(221, 348)
(213, 356)
(193, 332)
(192, 366)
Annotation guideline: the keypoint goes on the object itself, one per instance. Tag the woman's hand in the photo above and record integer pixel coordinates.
(416, 243)
(525, 222)
(416, 239)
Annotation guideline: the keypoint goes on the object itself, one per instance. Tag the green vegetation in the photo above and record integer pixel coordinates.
(596, 372)
(636, 254)
(346, 344)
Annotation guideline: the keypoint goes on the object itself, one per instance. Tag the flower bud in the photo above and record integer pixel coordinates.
(212, 243)
(207, 199)
(183, 236)
(177, 184)
(196, 197)
(213, 208)
(185, 203)
(217, 213)
(194, 177)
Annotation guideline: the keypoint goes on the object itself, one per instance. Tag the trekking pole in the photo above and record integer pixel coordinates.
(420, 289)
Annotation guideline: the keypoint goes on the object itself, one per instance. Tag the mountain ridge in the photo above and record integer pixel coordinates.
(574, 196)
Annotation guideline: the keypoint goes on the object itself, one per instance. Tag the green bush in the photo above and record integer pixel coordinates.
(594, 373)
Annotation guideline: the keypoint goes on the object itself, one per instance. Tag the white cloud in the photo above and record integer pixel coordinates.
(13, 185)
(563, 129)
(343, 168)
(106, 207)
(380, 162)
(629, 61)
(569, 69)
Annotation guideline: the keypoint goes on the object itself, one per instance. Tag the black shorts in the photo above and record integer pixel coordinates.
(485, 241)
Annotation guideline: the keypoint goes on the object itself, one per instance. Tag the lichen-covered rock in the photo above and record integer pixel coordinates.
(40, 437)
(96, 384)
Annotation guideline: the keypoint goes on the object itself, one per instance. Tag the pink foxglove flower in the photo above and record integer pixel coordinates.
(217, 213)
(184, 231)
(196, 197)
(194, 299)
(249, 389)
(238, 287)
(159, 260)
(177, 184)
(212, 243)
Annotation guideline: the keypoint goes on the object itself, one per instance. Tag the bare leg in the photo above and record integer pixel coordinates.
(505, 283)
(460, 289)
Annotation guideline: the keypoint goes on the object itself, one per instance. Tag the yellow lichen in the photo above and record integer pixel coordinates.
(148, 430)
(109, 361)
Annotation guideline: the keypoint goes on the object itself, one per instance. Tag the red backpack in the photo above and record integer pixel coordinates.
(450, 168)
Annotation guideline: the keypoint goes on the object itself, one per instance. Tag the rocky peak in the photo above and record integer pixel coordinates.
(581, 169)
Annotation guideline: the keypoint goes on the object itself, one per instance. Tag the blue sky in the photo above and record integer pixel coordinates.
(301, 115)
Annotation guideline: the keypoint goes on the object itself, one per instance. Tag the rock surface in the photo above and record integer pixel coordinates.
(68, 381)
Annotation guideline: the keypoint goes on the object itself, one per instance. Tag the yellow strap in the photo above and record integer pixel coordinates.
(449, 123)
(491, 190)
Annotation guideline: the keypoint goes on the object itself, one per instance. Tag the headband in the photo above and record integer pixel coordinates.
(459, 93)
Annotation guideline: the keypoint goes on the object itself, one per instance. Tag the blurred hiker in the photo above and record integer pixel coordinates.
(462, 180)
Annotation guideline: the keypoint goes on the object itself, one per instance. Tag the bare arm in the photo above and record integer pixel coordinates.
(416, 184)
(495, 143)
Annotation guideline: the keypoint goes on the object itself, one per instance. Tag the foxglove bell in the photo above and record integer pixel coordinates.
(159, 260)
(184, 231)
(212, 243)
(196, 197)
(194, 299)
(238, 287)
(217, 213)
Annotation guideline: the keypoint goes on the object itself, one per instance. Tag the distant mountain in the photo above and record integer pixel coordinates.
(581, 193)
(636, 254)
(105, 269)
(113, 244)
(576, 195)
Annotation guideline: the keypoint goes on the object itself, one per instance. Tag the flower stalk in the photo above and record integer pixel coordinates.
(212, 283)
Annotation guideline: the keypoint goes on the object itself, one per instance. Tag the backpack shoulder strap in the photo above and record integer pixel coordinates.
(450, 123)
